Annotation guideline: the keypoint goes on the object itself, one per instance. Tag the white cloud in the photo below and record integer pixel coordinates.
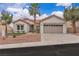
(19, 5)
(16, 17)
(43, 16)
(58, 13)
(27, 6)
(64, 4)
(19, 10)
(19, 13)
(13, 9)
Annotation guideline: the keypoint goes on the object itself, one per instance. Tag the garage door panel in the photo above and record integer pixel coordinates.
(53, 28)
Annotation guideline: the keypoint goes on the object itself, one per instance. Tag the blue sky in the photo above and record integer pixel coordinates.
(21, 9)
(48, 8)
(44, 7)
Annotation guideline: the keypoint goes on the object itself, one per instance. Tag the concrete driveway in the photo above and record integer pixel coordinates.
(60, 38)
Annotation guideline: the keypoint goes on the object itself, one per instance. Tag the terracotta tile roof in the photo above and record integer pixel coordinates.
(31, 21)
(28, 21)
(25, 21)
(37, 21)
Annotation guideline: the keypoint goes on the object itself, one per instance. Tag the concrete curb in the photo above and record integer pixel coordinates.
(31, 44)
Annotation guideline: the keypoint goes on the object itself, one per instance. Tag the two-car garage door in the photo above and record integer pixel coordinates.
(50, 28)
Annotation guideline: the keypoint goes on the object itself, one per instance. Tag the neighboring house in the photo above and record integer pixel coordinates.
(24, 25)
(53, 24)
(69, 27)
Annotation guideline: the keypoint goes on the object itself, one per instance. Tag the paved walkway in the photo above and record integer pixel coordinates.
(46, 39)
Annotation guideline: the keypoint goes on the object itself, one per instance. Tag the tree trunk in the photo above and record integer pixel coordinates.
(74, 27)
(5, 29)
(3, 32)
(34, 22)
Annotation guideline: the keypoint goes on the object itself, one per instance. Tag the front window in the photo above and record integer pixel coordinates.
(20, 27)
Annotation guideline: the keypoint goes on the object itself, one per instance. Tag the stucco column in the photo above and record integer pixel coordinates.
(64, 28)
(14, 28)
(41, 31)
(41, 28)
(26, 28)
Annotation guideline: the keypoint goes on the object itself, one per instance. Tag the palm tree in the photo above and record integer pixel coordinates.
(6, 17)
(33, 9)
(72, 14)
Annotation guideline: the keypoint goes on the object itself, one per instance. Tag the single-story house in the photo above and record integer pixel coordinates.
(53, 24)
(69, 27)
(24, 25)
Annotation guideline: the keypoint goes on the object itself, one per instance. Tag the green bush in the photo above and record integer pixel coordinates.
(15, 34)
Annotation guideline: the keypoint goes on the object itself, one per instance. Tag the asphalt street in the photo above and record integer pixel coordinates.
(50, 50)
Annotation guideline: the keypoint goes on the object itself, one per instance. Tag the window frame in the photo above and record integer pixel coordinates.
(21, 27)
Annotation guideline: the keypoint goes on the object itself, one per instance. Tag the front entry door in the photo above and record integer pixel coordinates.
(31, 28)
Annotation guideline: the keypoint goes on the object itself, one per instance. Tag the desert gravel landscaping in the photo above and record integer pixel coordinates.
(30, 37)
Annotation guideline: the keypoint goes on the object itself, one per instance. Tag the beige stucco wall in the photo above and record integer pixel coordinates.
(19, 22)
(26, 26)
(53, 20)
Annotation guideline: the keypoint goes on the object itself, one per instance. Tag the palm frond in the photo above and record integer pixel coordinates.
(71, 14)
(34, 9)
(6, 16)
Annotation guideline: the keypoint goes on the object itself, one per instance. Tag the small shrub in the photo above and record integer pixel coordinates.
(14, 35)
